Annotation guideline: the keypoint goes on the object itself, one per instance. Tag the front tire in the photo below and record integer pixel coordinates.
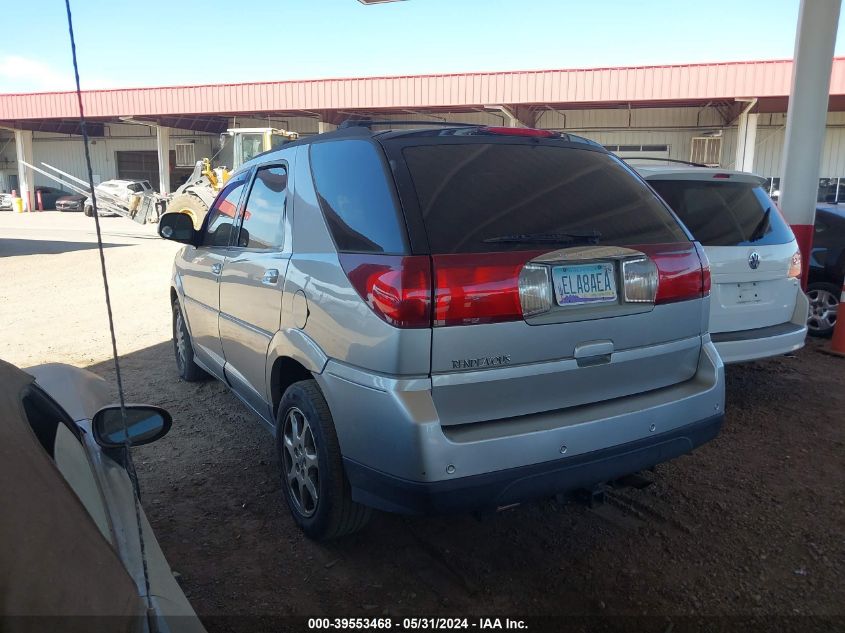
(88, 211)
(315, 486)
(188, 370)
(191, 206)
(824, 304)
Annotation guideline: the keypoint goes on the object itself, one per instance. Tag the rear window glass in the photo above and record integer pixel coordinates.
(725, 213)
(472, 195)
(357, 198)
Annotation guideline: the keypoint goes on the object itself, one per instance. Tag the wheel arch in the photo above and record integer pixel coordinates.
(284, 372)
(293, 356)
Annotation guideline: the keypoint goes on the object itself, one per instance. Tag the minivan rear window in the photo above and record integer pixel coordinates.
(472, 195)
(725, 213)
(357, 198)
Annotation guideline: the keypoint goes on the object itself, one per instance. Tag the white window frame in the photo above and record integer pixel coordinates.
(182, 148)
(708, 141)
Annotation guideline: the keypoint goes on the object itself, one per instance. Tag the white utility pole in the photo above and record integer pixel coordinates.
(163, 148)
(807, 117)
(26, 177)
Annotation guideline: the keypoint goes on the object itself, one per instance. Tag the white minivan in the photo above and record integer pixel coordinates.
(757, 308)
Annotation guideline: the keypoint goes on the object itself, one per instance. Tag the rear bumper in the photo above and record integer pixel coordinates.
(516, 485)
(399, 457)
(775, 340)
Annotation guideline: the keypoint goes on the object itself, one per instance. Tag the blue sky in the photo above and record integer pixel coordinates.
(126, 44)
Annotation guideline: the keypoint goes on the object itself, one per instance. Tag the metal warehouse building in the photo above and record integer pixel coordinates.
(731, 115)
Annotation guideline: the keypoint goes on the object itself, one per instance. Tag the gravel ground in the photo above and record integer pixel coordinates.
(752, 524)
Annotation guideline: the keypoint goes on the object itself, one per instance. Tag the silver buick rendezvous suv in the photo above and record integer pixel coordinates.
(448, 318)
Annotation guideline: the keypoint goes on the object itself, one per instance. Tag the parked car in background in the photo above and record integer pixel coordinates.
(49, 196)
(757, 308)
(450, 318)
(827, 269)
(118, 192)
(70, 531)
(72, 202)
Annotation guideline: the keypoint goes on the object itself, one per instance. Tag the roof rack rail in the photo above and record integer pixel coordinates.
(371, 122)
(670, 160)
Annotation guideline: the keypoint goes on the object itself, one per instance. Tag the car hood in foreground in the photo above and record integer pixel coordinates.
(78, 391)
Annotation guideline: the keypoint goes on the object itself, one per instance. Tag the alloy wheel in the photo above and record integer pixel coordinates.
(823, 308)
(181, 341)
(301, 469)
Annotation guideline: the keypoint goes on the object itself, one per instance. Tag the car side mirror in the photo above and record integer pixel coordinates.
(178, 227)
(144, 424)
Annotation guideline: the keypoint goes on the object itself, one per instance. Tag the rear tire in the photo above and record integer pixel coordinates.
(310, 459)
(188, 370)
(824, 303)
(189, 205)
(88, 211)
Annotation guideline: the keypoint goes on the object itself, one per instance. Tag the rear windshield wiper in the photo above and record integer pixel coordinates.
(762, 226)
(592, 237)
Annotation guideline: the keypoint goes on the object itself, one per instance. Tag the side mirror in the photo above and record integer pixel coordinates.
(178, 227)
(144, 424)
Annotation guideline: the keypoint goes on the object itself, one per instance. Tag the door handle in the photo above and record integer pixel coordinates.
(271, 276)
(216, 269)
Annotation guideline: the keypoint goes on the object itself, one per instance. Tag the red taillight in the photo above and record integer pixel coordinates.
(478, 287)
(722, 176)
(682, 273)
(397, 288)
(518, 131)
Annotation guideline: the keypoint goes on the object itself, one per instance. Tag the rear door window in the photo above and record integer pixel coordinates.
(725, 213)
(471, 195)
(357, 197)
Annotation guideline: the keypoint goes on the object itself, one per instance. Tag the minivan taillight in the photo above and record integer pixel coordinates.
(682, 269)
(478, 287)
(397, 288)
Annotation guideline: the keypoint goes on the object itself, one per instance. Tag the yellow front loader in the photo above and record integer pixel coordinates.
(195, 196)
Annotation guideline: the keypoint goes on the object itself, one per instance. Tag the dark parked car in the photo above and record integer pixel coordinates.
(827, 268)
(73, 202)
(49, 196)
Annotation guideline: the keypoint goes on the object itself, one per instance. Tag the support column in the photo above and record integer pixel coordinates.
(26, 176)
(746, 141)
(163, 147)
(514, 116)
(806, 119)
(323, 126)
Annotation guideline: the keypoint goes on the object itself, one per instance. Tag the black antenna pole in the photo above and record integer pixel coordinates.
(130, 466)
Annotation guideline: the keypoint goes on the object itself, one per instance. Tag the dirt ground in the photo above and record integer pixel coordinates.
(752, 524)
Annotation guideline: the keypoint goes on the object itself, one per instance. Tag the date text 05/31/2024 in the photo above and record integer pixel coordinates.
(413, 624)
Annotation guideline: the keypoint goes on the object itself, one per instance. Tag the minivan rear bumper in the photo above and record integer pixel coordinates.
(493, 490)
(398, 456)
(764, 342)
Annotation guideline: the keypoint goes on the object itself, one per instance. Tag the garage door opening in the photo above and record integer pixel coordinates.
(143, 165)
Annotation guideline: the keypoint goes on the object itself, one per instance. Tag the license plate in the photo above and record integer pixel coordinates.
(748, 293)
(584, 284)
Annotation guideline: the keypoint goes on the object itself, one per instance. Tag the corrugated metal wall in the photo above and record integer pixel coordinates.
(771, 134)
(701, 82)
(675, 127)
(66, 152)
